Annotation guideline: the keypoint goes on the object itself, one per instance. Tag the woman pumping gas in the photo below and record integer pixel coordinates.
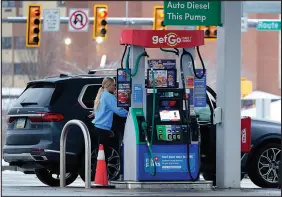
(105, 105)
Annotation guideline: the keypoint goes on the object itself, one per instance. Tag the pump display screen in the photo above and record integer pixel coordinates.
(169, 115)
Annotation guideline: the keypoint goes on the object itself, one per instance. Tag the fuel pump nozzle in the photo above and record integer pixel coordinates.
(152, 162)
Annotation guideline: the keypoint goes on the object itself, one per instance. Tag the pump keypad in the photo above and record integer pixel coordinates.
(170, 132)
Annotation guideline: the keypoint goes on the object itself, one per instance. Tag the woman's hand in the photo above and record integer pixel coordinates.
(91, 115)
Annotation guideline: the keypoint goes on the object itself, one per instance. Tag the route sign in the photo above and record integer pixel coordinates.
(78, 20)
(192, 13)
(269, 26)
(51, 20)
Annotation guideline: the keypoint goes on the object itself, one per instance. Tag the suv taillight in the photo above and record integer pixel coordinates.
(46, 117)
(10, 119)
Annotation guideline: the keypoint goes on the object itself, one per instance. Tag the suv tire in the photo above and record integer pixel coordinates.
(262, 157)
(45, 176)
(113, 160)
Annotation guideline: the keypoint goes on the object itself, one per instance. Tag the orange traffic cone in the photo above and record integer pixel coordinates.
(101, 175)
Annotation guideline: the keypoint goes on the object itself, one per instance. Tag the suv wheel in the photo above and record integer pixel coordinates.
(46, 177)
(114, 165)
(264, 166)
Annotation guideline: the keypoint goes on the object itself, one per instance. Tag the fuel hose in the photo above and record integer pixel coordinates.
(189, 122)
(193, 62)
(152, 163)
(122, 58)
(145, 128)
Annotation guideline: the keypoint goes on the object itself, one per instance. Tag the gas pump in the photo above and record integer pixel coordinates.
(161, 137)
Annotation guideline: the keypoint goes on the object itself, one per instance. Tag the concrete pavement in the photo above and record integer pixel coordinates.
(19, 184)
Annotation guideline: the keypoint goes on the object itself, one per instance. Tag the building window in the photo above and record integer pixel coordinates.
(8, 4)
(19, 42)
(20, 4)
(19, 69)
(61, 3)
(6, 68)
(6, 42)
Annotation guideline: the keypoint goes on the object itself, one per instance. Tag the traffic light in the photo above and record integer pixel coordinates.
(159, 18)
(33, 25)
(246, 87)
(210, 32)
(100, 21)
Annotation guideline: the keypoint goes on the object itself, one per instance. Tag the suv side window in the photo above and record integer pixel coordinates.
(88, 95)
(204, 113)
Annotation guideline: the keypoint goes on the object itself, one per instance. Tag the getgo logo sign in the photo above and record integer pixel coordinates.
(171, 39)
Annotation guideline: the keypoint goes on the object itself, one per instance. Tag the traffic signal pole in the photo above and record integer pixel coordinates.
(252, 23)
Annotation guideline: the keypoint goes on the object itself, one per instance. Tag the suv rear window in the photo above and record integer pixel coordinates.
(38, 95)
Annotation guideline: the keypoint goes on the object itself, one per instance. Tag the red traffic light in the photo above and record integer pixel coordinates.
(103, 13)
(37, 12)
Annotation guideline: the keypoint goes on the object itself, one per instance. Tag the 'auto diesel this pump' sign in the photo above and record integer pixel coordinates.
(192, 13)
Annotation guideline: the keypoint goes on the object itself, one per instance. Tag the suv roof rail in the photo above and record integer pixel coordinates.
(91, 75)
(101, 70)
(64, 75)
(61, 75)
(51, 77)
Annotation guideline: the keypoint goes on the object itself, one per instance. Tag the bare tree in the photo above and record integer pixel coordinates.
(43, 61)
(70, 68)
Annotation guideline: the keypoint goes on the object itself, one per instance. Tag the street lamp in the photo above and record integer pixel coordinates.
(103, 61)
(67, 41)
(99, 40)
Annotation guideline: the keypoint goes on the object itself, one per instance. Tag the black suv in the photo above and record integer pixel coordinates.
(38, 116)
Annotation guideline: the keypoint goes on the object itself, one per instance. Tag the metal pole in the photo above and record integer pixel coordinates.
(87, 142)
(252, 23)
(126, 10)
(110, 20)
(262, 7)
(228, 135)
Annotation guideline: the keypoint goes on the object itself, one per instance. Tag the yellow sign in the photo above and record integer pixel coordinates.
(246, 87)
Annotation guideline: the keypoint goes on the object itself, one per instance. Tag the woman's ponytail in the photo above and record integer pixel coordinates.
(97, 99)
(107, 81)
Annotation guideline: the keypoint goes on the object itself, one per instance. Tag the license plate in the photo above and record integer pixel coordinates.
(20, 123)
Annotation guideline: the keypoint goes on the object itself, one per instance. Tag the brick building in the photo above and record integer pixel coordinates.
(260, 50)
